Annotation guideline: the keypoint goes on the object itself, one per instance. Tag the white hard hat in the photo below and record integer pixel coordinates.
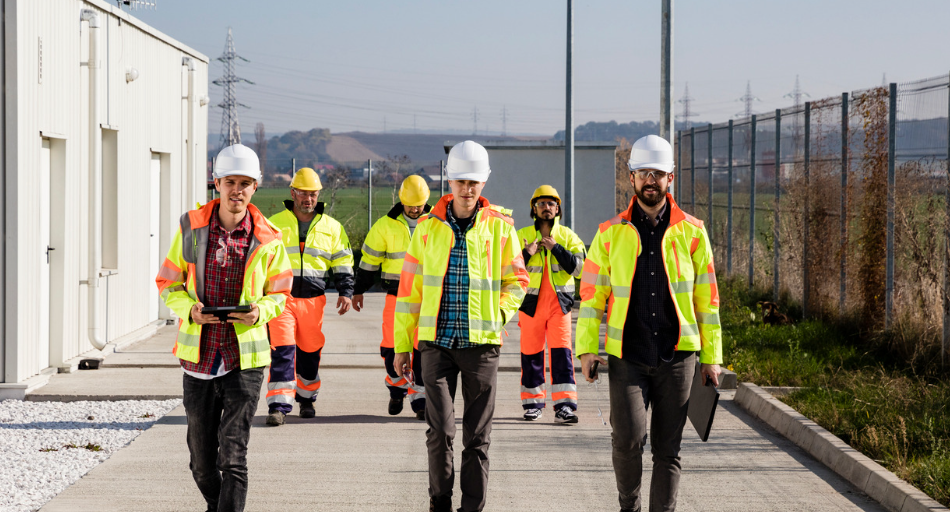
(651, 152)
(468, 161)
(237, 159)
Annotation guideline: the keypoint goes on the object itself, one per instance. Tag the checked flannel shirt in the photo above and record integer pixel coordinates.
(452, 328)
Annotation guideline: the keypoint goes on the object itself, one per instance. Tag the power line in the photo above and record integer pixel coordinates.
(685, 101)
(747, 99)
(230, 126)
(475, 120)
(504, 121)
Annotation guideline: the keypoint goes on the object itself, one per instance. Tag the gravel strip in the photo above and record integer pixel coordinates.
(46, 446)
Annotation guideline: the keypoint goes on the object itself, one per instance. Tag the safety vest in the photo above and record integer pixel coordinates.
(385, 247)
(267, 280)
(497, 275)
(326, 248)
(688, 261)
(560, 279)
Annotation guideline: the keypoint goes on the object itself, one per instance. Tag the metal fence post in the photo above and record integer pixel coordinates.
(946, 255)
(709, 179)
(369, 214)
(842, 292)
(679, 160)
(778, 194)
(729, 206)
(806, 289)
(752, 204)
(692, 168)
(891, 146)
(441, 178)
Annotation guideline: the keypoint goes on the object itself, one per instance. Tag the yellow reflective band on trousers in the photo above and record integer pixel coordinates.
(688, 262)
(267, 281)
(497, 276)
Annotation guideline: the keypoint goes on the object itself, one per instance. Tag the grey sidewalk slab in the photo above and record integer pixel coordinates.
(354, 456)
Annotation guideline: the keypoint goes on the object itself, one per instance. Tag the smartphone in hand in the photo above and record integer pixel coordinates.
(593, 370)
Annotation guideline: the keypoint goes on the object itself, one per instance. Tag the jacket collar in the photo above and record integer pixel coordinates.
(396, 211)
(440, 208)
(676, 214)
(262, 229)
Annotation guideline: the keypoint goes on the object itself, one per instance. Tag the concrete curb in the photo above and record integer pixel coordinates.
(865, 474)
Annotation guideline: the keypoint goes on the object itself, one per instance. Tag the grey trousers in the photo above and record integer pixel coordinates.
(633, 389)
(479, 370)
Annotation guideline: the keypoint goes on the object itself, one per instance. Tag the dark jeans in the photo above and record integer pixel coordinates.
(479, 369)
(219, 413)
(633, 389)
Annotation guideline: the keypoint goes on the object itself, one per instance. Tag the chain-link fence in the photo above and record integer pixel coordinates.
(839, 205)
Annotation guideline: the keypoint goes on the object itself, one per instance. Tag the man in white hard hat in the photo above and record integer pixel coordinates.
(654, 264)
(463, 278)
(224, 254)
(315, 244)
(384, 250)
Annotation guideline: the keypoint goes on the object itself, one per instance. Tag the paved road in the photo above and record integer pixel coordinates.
(355, 457)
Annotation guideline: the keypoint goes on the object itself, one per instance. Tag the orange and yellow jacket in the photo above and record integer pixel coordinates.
(608, 276)
(497, 275)
(267, 281)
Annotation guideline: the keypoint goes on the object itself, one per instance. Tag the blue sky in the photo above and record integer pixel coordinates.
(362, 65)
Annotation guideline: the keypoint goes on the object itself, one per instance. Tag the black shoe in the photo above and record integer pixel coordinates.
(440, 504)
(421, 415)
(275, 418)
(306, 410)
(395, 406)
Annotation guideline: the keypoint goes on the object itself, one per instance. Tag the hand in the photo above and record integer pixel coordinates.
(201, 319)
(249, 318)
(548, 242)
(401, 363)
(587, 360)
(531, 248)
(712, 372)
(358, 302)
(344, 304)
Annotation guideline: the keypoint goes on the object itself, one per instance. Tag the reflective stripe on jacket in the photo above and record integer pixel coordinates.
(385, 249)
(561, 280)
(497, 275)
(267, 280)
(688, 261)
(326, 248)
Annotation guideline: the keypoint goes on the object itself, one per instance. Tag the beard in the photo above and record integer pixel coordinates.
(656, 198)
(301, 209)
(412, 216)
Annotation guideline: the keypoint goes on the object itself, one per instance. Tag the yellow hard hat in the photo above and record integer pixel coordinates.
(544, 191)
(414, 191)
(306, 179)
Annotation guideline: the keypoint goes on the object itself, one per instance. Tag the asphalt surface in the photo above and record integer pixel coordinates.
(355, 457)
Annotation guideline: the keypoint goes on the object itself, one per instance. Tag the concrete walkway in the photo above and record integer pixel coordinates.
(355, 457)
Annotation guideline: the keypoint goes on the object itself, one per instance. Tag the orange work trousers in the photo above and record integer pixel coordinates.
(301, 324)
(549, 324)
(399, 387)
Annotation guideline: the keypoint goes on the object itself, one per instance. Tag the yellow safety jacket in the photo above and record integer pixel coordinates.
(497, 275)
(385, 248)
(267, 280)
(608, 276)
(326, 248)
(564, 262)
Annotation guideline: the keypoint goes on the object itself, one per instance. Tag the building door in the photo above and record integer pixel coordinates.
(43, 255)
(154, 230)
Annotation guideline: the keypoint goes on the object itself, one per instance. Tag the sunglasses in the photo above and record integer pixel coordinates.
(221, 254)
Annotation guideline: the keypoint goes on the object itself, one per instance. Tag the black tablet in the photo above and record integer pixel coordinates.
(223, 311)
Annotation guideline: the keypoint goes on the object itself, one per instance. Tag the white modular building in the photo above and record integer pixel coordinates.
(104, 128)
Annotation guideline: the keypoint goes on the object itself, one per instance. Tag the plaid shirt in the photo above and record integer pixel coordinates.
(452, 327)
(224, 280)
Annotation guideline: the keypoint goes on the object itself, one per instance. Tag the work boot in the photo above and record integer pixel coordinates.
(565, 415)
(275, 418)
(533, 414)
(395, 405)
(440, 504)
(421, 415)
(306, 410)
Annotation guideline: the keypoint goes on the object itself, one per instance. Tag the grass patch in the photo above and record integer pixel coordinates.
(892, 411)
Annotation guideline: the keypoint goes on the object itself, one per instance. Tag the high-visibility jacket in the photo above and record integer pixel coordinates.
(570, 247)
(267, 280)
(688, 261)
(385, 248)
(497, 275)
(326, 248)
